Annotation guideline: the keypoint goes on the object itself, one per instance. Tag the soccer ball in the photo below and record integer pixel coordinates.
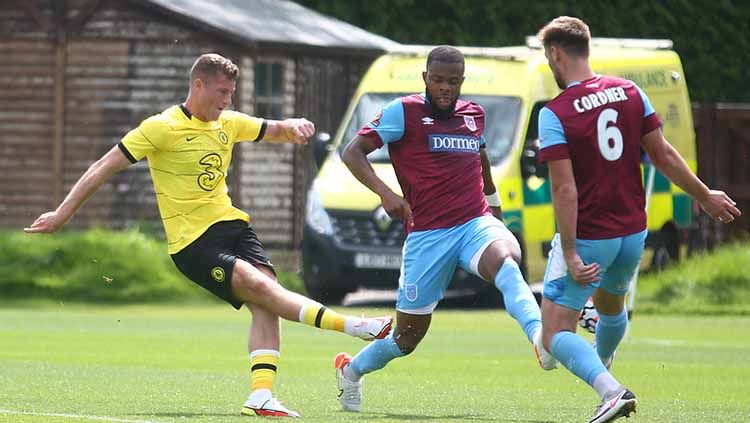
(588, 317)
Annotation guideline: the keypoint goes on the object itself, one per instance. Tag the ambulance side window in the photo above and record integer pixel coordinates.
(529, 164)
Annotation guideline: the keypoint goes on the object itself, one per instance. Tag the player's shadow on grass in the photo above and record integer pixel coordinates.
(455, 417)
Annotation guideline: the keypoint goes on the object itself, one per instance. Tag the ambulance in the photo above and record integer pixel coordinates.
(350, 242)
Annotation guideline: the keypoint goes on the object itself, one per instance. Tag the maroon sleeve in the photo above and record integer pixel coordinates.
(650, 123)
(371, 133)
(554, 152)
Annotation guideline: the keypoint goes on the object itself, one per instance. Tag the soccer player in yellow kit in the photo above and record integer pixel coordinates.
(189, 149)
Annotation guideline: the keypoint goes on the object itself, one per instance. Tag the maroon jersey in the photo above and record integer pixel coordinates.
(598, 124)
(436, 159)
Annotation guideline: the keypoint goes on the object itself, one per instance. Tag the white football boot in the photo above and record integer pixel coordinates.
(545, 359)
(370, 328)
(350, 393)
(620, 403)
(263, 403)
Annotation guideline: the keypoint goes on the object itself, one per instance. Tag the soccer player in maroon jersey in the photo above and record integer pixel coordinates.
(436, 145)
(591, 136)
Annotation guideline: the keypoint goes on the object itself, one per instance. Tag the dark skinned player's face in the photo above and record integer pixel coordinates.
(443, 82)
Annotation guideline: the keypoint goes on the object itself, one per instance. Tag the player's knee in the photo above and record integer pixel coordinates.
(254, 283)
(407, 347)
(512, 252)
(407, 341)
(496, 255)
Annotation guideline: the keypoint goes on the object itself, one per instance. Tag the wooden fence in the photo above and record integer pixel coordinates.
(723, 138)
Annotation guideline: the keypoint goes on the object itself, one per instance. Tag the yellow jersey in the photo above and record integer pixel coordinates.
(188, 159)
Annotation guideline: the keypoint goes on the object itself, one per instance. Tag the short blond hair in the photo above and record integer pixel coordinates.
(569, 33)
(211, 64)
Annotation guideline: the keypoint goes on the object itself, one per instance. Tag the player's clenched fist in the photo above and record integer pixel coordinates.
(397, 207)
(300, 130)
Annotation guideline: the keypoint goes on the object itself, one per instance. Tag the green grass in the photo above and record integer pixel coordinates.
(711, 283)
(189, 364)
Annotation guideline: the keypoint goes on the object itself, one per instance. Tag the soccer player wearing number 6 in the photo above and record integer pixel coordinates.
(189, 147)
(591, 136)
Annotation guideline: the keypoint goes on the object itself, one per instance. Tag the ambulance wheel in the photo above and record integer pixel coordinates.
(667, 250)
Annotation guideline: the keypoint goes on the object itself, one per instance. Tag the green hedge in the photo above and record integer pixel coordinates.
(715, 283)
(95, 265)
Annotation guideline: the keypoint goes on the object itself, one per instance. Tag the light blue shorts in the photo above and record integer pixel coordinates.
(618, 259)
(430, 258)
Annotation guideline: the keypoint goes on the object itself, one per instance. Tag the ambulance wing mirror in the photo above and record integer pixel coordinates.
(529, 163)
(321, 147)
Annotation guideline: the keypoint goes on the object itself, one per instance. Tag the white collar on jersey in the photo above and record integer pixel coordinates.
(596, 75)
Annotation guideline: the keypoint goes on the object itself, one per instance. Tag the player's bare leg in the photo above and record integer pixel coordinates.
(250, 285)
(263, 345)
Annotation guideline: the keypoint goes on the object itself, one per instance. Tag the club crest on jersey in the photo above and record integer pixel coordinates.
(427, 120)
(452, 143)
(470, 123)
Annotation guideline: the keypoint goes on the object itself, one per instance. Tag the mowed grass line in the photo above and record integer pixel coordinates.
(189, 364)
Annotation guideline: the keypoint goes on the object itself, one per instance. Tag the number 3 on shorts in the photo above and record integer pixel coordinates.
(609, 137)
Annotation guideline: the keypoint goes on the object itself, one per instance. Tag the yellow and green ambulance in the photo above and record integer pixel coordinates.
(350, 242)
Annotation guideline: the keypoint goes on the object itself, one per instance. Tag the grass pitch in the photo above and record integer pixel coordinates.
(63, 363)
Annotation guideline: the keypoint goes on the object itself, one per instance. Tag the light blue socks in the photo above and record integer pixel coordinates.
(374, 356)
(609, 332)
(519, 301)
(577, 356)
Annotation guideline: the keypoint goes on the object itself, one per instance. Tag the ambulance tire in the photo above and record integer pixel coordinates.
(667, 249)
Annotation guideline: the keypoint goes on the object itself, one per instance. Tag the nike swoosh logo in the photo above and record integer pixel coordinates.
(188, 139)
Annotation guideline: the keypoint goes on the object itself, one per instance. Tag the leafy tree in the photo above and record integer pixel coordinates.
(711, 36)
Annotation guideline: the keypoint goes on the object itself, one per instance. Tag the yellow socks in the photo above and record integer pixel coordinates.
(263, 364)
(318, 315)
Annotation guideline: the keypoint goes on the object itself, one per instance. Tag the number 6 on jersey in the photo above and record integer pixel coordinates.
(609, 137)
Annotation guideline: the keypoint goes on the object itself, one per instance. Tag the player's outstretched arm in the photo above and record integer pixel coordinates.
(293, 130)
(109, 164)
(355, 158)
(668, 160)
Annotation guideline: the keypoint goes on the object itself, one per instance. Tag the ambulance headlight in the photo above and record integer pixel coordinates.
(315, 215)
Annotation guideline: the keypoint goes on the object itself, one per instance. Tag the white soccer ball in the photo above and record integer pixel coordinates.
(588, 317)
